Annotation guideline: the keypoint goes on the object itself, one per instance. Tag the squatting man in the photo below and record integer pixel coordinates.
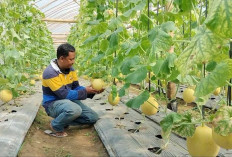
(62, 93)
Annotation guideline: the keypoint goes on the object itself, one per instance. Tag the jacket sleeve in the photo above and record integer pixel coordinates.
(64, 92)
(77, 87)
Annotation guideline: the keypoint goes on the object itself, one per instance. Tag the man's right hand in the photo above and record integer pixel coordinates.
(90, 90)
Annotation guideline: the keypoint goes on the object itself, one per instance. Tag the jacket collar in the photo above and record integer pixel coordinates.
(55, 66)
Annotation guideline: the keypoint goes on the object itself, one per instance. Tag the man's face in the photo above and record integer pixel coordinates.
(68, 61)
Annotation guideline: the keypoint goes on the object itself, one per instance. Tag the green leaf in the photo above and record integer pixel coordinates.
(14, 34)
(114, 92)
(185, 128)
(114, 23)
(128, 64)
(122, 91)
(202, 48)
(11, 54)
(168, 26)
(104, 45)
(97, 58)
(3, 81)
(95, 22)
(115, 72)
(138, 7)
(211, 66)
(216, 78)
(91, 39)
(139, 100)
(160, 40)
(113, 41)
(137, 76)
(168, 121)
(219, 19)
(185, 5)
(222, 121)
(101, 28)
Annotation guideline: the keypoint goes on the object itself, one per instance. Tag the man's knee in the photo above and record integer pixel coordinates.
(73, 112)
(93, 117)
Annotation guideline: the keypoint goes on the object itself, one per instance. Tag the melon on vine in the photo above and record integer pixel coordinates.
(115, 101)
(150, 107)
(201, 143)
(188, 95)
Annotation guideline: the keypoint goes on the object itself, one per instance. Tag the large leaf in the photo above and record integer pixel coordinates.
(168, 121)
(11, 54)
(122, 91)
(202, 48)
(222, 121)
(104, 45)
(97, 58)
(91, 39)
(185, 128)
(14, 34)
(114, 23)
(137, 76)
(139, 100)
(182, 124)
(163, 68)
(138, 7)
(219, 19)
(160, 40)
(185, 5)
(216, 78)
(168, 26)
(113, 40)
(128, 64)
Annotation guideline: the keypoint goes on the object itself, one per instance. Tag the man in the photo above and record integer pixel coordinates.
(62, 93)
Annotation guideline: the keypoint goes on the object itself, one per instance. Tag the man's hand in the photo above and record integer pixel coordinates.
(90, 90)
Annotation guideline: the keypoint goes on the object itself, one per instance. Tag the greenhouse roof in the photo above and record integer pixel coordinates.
(59, 16)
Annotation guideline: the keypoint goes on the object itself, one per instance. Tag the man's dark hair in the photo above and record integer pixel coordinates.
(64, 49)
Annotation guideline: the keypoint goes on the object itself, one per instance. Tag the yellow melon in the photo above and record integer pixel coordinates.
(98, 84)
(150, 107)
(188, 95)
(202, 143)
(6, 95)
(115, 101)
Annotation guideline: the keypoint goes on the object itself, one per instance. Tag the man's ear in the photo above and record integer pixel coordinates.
(61, 58)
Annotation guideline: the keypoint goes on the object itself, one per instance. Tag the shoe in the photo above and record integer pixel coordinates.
(55, 133)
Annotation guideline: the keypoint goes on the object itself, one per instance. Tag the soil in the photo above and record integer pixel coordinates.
(80, 142)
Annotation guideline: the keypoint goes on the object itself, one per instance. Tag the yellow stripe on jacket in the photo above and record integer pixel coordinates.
(61, 80)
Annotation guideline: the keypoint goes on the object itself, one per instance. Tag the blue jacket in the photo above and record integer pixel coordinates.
(57, 85)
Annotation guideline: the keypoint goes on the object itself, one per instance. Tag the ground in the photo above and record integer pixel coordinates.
(80, 142)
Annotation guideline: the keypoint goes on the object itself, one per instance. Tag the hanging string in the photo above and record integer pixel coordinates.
(204, 70)
(115, 54)
(148, 28)
(229, 87)
(157, 22)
